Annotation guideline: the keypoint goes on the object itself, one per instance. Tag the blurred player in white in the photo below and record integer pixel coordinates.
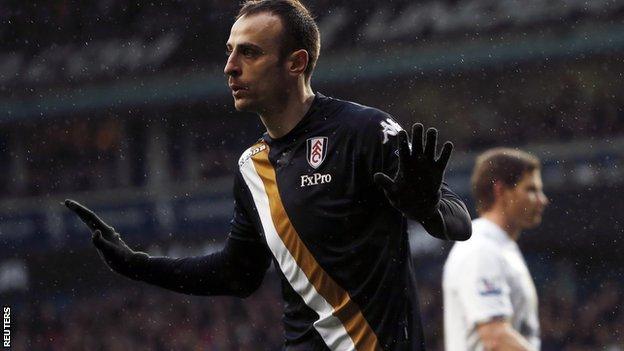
(490, 302)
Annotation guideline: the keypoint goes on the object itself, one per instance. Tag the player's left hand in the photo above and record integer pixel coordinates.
(415, 189)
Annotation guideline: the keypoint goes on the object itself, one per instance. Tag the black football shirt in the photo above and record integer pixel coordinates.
(340, 248)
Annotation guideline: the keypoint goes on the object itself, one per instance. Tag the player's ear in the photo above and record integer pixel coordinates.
(297, 62)
(498, 190)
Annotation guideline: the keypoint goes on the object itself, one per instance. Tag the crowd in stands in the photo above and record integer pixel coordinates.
(86, 154)
(77, 154)
(62, 21)
(529, 104)
(575, 315)
(77, 21)
(98, 150)
(63, 42)
(111, 150)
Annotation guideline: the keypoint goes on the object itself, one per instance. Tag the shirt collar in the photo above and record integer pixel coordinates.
(495, 232)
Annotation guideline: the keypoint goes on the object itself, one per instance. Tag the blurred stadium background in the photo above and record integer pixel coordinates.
(124, 107)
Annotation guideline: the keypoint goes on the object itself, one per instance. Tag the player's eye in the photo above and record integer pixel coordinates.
(249, 52)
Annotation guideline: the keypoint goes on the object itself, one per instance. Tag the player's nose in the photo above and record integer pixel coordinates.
(232, 68)
(544, 200)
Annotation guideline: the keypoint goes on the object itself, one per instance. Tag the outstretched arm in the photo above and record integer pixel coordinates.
(418, 190)
(236, 270)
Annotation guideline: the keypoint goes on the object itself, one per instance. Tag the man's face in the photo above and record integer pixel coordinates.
(525, 203)
(255, 72)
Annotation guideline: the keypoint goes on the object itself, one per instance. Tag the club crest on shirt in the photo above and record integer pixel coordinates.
(316, 151)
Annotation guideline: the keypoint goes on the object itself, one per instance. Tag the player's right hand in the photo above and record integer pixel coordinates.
(117, 255)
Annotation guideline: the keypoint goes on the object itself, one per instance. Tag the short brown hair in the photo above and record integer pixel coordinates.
(300, 29)
(499, 164)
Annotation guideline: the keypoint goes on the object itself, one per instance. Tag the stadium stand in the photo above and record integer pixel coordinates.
(135, 317)
(125, 104)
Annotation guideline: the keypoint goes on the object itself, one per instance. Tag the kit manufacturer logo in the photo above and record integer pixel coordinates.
(316, 151)
(391, 128)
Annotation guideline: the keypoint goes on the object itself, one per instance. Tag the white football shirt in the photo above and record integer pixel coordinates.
(484, 278)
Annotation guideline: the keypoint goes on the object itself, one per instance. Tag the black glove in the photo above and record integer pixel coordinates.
(117, 255)
(415, 189)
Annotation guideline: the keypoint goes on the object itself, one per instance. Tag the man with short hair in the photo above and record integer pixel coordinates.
(490, 301)
(314, 197)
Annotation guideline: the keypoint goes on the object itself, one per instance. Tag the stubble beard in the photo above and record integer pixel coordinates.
(246, 105)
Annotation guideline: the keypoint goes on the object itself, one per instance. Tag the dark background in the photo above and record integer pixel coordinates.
(124, 107)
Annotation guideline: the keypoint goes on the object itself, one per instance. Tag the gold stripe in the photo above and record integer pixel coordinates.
(345, 309)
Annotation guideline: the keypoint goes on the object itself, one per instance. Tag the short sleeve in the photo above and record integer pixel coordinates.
(242, 223)
(483, 289)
